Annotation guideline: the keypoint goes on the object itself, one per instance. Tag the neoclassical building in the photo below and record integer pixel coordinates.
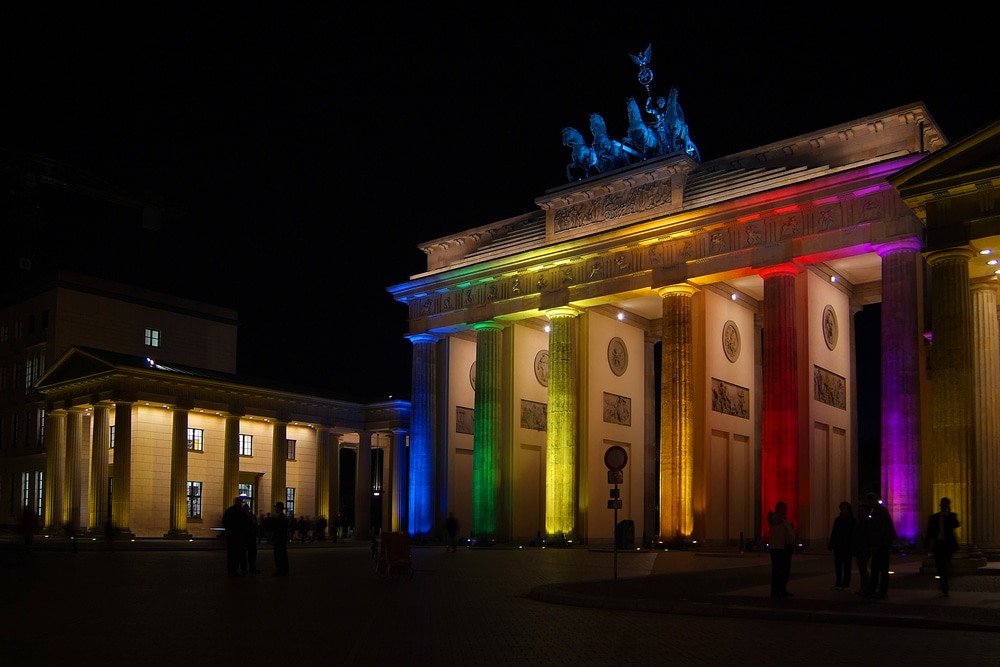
(700, 316)
(122, 404)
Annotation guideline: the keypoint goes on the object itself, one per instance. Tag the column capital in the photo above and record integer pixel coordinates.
(680, 289)
(984, 283)
(489, 325)
(785, 269)
(937, 256)
(422, 338)
(911, 244)
(563, 311)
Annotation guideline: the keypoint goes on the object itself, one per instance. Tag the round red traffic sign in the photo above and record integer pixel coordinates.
(615, 458)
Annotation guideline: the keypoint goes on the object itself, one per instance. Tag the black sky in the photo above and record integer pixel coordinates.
(305, 153)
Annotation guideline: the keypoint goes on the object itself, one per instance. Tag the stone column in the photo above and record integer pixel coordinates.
(55, 469)
(901, 386)
(780, 418)
(561, 446)
(650, 449)
(100, 444)
(121, 480)
(231, 463)
(676, 416)
(486, 508)
(422, 438)
(363, 488)
(73, 481)
(334, 479)
(279, 459)
(951, 384)
(323, 474)
(986, 383)
(400, 475)
(178, 475)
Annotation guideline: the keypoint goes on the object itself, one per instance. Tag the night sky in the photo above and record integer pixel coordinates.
(304, 154)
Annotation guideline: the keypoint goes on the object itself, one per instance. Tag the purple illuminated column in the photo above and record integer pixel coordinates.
(900, 433)
(779, 447)
(951, 384)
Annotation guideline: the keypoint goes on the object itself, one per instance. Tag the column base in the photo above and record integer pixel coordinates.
(178, 535)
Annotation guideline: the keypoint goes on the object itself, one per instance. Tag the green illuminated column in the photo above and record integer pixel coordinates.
(55, 468)
(487, 432)
(676, 415)
(561, 445)
(97, 498)
(178, 476)
(121, 474)
(951, 361)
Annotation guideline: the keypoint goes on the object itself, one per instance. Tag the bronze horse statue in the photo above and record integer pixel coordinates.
(584, 157)
(610, 153)
(643, 138)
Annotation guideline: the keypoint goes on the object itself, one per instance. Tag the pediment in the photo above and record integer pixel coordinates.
(75, 364)
(973, 159)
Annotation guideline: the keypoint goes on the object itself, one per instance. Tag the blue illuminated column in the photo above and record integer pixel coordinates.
(487, 432)
(422, 440)
(900, 386)
(561, 446)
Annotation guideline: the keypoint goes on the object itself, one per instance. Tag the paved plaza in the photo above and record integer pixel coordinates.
(155, 602)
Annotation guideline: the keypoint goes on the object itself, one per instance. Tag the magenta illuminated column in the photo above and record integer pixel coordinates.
(487, 432)
(422, 439)
(900, 433)
(951, 384)
(780, 419)
(676, 416)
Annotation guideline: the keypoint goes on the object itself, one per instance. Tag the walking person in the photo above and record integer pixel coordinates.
(841, 543)
(941, 541)
(782, 543)
(235, 526)
(279, 540)
(883, 535)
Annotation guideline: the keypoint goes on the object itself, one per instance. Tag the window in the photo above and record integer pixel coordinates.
(246, 445)
(247, 490)
(196, 439)
(194, 500)
(290, 450)
(112, 437)
(41, 426)
(290, 500)
(25, 490)
(152, 338)
(39, 492)
(33, 368)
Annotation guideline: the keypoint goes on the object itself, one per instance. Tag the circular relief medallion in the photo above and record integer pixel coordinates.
(617, 356)
(831, 329)
(731, 341)
(472, 375)
(542, 367)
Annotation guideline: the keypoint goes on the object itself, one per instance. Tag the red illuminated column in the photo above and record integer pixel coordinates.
(780, 419)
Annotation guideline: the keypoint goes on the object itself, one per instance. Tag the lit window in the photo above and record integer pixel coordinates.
(152, 338)
(25, 491)
(39, 492)
(194, 500)
(41, 426)
(196, 439)
(245, 445)
(247, 490)
(290, 500)
(290, 450)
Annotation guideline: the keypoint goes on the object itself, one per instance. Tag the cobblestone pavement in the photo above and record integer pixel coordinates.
(157, 604)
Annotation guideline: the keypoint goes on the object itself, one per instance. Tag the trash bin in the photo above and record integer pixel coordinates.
(625, 534)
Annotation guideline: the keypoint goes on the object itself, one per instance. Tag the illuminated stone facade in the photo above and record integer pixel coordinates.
(744, 275)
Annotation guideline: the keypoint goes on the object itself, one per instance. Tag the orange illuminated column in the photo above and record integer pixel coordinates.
(178, 475)
(900, 433)
(561, 447)
(231, 464)
(73, 481)
(676, 415)
(951, 385)
(986, 383)
(487, 432)
(55, 468)
(780, 419)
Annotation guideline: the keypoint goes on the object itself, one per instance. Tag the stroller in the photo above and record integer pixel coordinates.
(393, 557)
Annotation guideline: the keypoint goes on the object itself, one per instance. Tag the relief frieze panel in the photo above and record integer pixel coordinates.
(614, 205)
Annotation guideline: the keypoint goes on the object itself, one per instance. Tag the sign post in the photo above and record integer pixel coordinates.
(615, 459)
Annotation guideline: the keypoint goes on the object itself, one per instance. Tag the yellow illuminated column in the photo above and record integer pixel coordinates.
(121, 474)
(363, 488)
(55, 468)
(178, 476)
(951, 385)
(986, 382)
(487, 431)
(97, 504)
(231, 463)
(279, 456)
(676, 415)
(73, 481)
(334, 480)
(561, 446)
(322, 473)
